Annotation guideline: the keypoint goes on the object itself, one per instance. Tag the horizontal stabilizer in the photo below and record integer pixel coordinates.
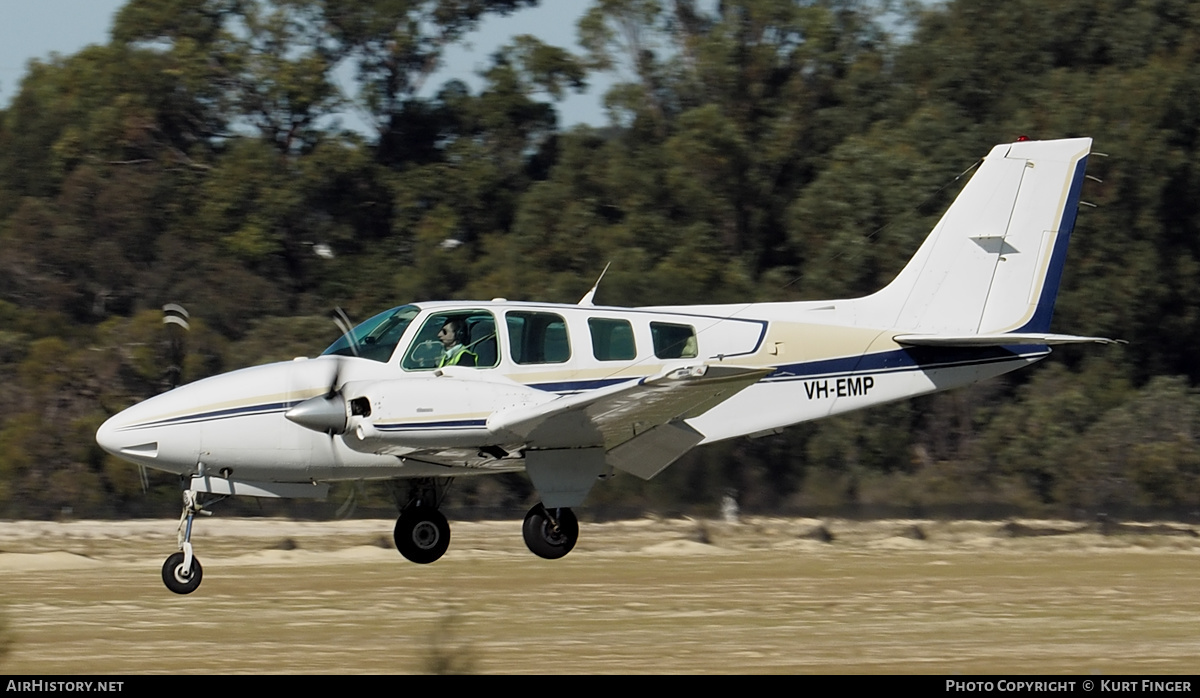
(998, 340)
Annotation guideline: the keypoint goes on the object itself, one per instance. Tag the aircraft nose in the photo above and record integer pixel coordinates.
(118, 443)
(106, 436)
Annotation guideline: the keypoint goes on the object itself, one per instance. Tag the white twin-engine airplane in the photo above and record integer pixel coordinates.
(571, 393)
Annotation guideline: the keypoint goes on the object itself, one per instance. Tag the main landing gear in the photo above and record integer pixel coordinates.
(422, 533)
(550, 533)
(182, 571)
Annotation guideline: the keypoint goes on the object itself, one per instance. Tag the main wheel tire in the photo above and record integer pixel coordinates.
(178, 579)
(422, 535)
(546, 540)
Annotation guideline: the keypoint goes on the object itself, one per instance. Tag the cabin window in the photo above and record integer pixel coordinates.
(473, 330)
(612, 340)
(537, 338)
(673, 341)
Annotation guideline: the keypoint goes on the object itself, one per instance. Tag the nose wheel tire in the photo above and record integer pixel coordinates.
(422, 535)
(178, 579)
(550, 534)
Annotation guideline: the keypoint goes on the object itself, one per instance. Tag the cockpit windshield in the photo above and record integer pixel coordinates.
(377, 337)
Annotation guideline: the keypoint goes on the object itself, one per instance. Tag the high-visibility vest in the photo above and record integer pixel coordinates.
(458, 357)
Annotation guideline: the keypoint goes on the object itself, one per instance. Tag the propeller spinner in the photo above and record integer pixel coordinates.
(324, 413)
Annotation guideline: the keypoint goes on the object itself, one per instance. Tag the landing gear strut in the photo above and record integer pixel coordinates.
(182, 571)
(550, 533)
(422, 533)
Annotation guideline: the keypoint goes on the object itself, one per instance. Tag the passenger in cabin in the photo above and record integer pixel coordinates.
(453, 337)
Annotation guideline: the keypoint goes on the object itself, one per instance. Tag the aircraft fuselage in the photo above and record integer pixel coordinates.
(432, 422)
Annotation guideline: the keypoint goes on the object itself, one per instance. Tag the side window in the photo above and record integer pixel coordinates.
(612, 340)
(537, 338)
(459, 338)
(673, 341)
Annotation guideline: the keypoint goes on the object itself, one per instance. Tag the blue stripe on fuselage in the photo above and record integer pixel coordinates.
(907, 359)
(577, 386)
(454, 424)
(265, 408)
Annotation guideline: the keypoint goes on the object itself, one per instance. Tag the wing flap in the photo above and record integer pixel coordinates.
(650, 452)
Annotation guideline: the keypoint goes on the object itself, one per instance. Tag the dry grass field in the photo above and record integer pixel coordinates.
(645, 596)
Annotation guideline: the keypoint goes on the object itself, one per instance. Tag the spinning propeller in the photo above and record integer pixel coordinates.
(327, 413)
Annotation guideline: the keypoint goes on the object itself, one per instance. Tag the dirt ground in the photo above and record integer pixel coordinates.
(643, 596)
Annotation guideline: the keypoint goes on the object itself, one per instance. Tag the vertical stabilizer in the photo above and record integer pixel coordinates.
(994, 262)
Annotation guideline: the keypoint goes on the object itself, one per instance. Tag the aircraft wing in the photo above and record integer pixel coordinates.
(624, 412)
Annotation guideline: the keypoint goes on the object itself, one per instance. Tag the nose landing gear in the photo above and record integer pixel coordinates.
(182, 571)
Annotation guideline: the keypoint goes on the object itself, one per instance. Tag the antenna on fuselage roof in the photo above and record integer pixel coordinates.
(586, 301)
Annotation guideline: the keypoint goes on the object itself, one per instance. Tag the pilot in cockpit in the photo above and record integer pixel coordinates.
(453, 337)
